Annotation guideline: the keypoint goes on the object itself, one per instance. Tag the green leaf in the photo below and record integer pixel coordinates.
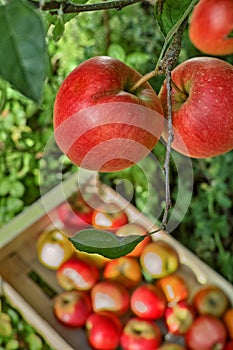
(23, 48)
(171, 13)
(105, 243)
(116, 51)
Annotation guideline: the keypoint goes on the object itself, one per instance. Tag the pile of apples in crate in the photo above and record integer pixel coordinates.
(138, 301)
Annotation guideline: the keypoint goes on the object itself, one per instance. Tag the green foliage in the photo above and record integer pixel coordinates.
(15, 332)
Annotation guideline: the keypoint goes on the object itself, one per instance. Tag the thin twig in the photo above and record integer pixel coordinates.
(66, 7)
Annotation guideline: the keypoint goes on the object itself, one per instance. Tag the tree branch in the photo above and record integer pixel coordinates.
(66, 7)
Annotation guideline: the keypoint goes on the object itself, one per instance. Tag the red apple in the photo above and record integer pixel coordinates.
(99, 123)
(139, 334)
(76, 273)
(211, 27)
(201, 106)
(179, 317)
(103, 330)
(125, 270)
(75, 213)
(211, 300)
(72, 308)
(206, 333)
(134, 229)
(110, 296)
(148, 302)
(109, 216)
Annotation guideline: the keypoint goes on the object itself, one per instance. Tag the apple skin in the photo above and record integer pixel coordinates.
(211, 300)
(134, 229)
(210, 27)
(229, 345)
(109, 217)
(179, 317)
(78, 274)
(53, 248)
(148, 302)
(72, 308)
(103, 330)
(125, 270)
(206, 333)
(202, 111)
(75, 213)
(171, 346)
(110, 296)
(139, 334)
(228, 321)
(158, 259)
(99, 124)
(174, 287)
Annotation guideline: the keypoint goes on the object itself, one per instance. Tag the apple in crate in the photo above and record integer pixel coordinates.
(125, 270)
(206, 333)
(53, 248)
(110, 296)
(109, 216)
(72, 307)
(103, 330)
(159, 259)
(148, 302)
(139, 334)
(179, 317)
(171, 346)
(174, 287)
(78, 274)
(134, 229)
(211, 300)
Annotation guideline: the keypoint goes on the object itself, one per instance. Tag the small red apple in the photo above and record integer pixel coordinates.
(202, 107)
(139, 334)
(77, 273)
(99, 123)
(72, 308)
(125, 270)
(110, 296)
(211, 27)
(75, 213)
(211, 300)
(148, 302)
(103, 330)
(109, 216)
(134, 229)
(179, 317)
(206, 333)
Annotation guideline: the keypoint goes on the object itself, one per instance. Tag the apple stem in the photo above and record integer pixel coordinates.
(144, 79)
(182, 94)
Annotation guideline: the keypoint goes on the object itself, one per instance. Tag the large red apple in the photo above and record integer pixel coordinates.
(72, 307)
(148, 302)
(103, 330)
(202, 107)
(78, 274)
(110, 296)
(99, 124)
(139, 334)
(206, 333)
(211, 27)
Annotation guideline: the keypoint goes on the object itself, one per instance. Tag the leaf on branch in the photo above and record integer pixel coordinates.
(105, 243)
(23, 48)
(171, 13)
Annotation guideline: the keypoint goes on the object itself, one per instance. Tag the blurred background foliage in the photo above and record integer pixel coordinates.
(133, 36)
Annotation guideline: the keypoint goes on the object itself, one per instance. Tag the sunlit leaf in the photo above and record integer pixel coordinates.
(23, 48)
(105, 243)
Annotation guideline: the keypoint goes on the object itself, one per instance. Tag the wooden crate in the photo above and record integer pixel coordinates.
(19, 266)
